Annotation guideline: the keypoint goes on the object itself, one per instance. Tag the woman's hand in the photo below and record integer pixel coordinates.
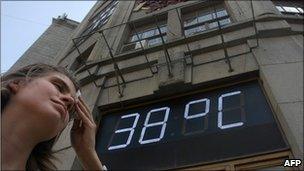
(83, 135)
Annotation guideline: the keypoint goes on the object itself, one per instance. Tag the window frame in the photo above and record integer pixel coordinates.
(205, 24)
(282, 7)
(97, 18)
(135, 44)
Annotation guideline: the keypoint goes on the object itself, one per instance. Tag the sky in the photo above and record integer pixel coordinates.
(22, 22)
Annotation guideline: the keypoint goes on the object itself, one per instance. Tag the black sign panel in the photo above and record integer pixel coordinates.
(195, 129)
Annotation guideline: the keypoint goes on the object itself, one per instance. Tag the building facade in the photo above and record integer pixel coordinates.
(204, 85)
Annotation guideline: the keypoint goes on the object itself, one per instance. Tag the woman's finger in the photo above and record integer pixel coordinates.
(86, 107)
(80, 106)
(82, 115)
(85, 110)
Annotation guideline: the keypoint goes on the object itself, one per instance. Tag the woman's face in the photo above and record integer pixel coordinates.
(47, 101)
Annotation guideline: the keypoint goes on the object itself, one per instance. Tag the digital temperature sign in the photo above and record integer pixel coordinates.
(190, 130)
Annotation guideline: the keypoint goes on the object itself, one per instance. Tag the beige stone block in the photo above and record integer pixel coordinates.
(64, 140)
(93, 69)
(218, 70)
(114, 95)
(292, 113)
(296, 26)
(290, 116)
(77, 164)
(111, 81)
(89, 42)
(238, 34)
(268, 92)
(279, 50)
(239, 10)
(205, 42)
(239, 49)
(140, 74)
(131, 62)
(82, 75)
(252, 43)
(174, 56)
(139, 88)
(211, 71)
(127, 64)
(272, 25)
(154, 56)
(174, 29)
(65, 159)
(67, 60)
(100, 82)
(188, 74)
(263, 7)
(207, 57)
(89, 93)
(178, 74)
(105, 69)
(298, 39)
(104, 97)
(100, 51)
(132, 90)
(177, 50)
(250, 62)
(285, 81)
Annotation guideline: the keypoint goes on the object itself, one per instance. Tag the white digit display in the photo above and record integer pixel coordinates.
(220, 111)
(136, 115)
(186, 113)
(165, 113)
(147, 125)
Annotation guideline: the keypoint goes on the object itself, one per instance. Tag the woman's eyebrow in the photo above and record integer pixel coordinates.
(65, 86)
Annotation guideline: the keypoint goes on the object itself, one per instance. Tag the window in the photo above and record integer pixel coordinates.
(153, 5)
(146, 38)
(289, 7)
(99, 20)
(205, 19)
(82, 58)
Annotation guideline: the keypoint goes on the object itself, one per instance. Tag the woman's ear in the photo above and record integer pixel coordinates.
(15, 86)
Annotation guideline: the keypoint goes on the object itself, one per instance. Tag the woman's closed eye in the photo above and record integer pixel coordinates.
(59, 87)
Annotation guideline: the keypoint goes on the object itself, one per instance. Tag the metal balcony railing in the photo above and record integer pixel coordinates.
(121, 83)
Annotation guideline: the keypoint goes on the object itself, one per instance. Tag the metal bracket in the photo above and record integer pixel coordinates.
(167, 56)
(223, 42)
(118, 73)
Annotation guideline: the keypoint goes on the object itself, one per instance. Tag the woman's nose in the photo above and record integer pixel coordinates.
(67, 99)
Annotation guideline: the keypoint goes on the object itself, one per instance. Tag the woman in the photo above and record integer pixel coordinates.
(37, 102)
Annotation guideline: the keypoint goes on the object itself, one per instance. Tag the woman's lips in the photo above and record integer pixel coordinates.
(60, 107)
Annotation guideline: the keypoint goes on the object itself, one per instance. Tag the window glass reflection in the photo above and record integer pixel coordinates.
(301, 10)
(146, 38)
(290, 9)
(213, 25)
(190, 22)
(225, 21)
(280, 8)
(222, 13)
(205, 19)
